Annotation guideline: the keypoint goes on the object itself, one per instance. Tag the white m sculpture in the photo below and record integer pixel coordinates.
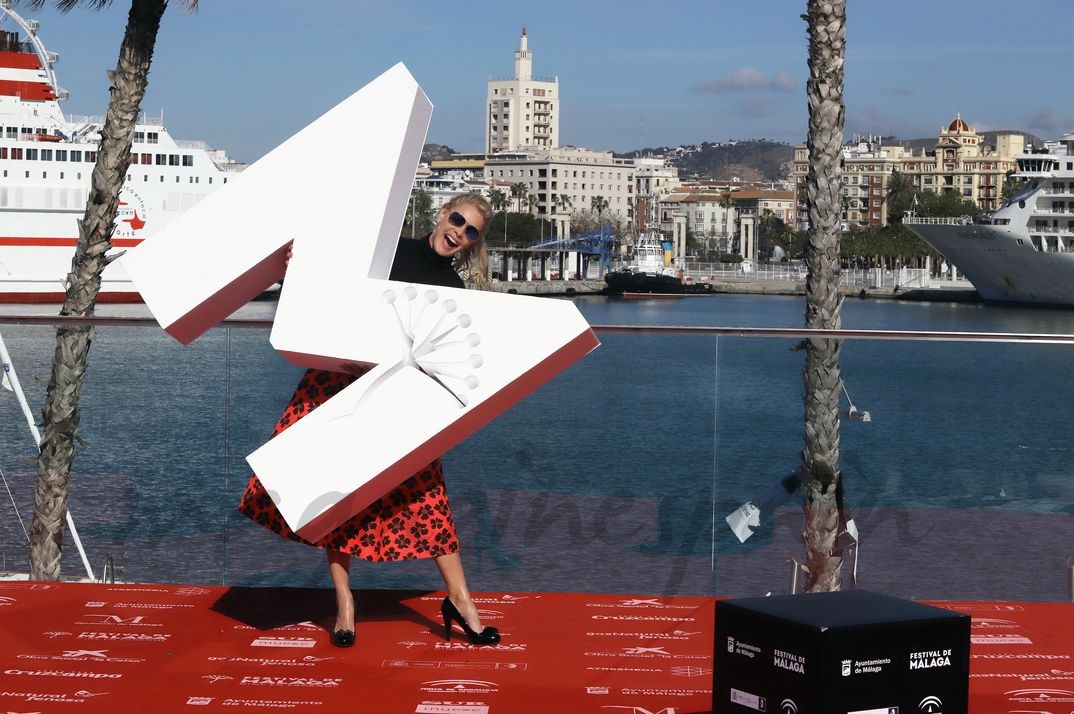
(444, 361)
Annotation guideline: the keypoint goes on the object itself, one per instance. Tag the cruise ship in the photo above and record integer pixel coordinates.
(46, 160)
(1024, 253)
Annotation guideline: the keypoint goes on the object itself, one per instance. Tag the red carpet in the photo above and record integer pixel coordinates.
(168, 648)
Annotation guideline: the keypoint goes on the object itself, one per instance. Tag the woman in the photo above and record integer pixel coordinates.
(414, 520)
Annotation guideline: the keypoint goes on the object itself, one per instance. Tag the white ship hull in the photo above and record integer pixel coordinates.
(1024, 254)
(1003, 271)
(46, 161)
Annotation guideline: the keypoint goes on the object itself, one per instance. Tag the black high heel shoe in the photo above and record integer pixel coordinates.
(487, 636)
(342, 638)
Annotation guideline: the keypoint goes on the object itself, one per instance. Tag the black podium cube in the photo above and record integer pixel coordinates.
(851, 652)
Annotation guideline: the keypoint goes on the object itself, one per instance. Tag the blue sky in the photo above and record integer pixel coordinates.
(244, 75)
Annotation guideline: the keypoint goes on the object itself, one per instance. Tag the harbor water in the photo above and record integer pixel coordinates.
(616, 476)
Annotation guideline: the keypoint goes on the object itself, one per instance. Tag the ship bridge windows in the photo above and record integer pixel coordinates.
(152, 137)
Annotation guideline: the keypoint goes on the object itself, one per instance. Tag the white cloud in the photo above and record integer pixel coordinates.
(745, 80)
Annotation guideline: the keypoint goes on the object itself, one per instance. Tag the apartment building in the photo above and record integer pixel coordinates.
(567, 179)
(522, 112)
(959, 161)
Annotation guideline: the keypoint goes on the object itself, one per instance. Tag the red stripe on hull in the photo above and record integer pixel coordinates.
(19, 60)
(62, 242)
(57, 298)
(28, 91)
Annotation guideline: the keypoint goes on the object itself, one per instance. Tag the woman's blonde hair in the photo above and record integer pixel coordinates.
(473, 263)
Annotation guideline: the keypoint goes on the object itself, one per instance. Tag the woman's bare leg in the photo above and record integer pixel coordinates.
(339, 567)
(450, 567)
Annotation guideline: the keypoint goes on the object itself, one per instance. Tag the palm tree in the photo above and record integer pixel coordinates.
(900, 194)
(600, 205)
(61, 412)
(531, 202)
(563, 202)
(498, 199)
(518, 192)
(822, 479)
(727, 203)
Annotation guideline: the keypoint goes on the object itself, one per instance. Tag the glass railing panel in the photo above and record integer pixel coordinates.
(960, 484)
(617, 475)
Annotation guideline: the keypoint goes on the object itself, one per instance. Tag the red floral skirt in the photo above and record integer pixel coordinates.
(412, 521)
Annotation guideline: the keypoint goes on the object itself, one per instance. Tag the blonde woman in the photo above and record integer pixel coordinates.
(413, 520)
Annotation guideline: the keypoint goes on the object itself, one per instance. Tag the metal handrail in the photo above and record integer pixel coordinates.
(782, 332)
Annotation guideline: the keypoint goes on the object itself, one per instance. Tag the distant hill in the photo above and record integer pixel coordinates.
(988, 138)
(750, 160)
(436, 152)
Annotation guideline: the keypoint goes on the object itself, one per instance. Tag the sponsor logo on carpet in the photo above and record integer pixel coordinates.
(53, 698)
(1054, 675)
(465, 646)
(644, 603)
(61, 673)
(674, 635)
(449, 707)
(297, 642)
(647, 653)
(120, 636)
(83, 656)
(317, 682)
(998, 639)
(270, 704)
(305, 625)
(691, 671)
(1036, 696)
(435, 664)
(307, 661)
(663, 692)
(460, 686)
(992, 623)
(643, 618)
(139, 605)
(191, 591)
(118, 620)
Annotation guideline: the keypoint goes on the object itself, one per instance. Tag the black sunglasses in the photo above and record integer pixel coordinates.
(458, 220)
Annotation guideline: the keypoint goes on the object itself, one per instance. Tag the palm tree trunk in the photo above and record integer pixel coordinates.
(823, 492)
(61, 412)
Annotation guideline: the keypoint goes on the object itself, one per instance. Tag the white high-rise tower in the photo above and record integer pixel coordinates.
(522, 113)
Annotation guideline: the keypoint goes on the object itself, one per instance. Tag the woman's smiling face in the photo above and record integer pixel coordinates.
(451, 237)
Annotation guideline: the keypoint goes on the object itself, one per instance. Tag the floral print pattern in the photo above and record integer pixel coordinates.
(412, 521)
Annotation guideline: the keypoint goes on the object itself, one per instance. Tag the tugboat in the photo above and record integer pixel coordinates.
(652, 273)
